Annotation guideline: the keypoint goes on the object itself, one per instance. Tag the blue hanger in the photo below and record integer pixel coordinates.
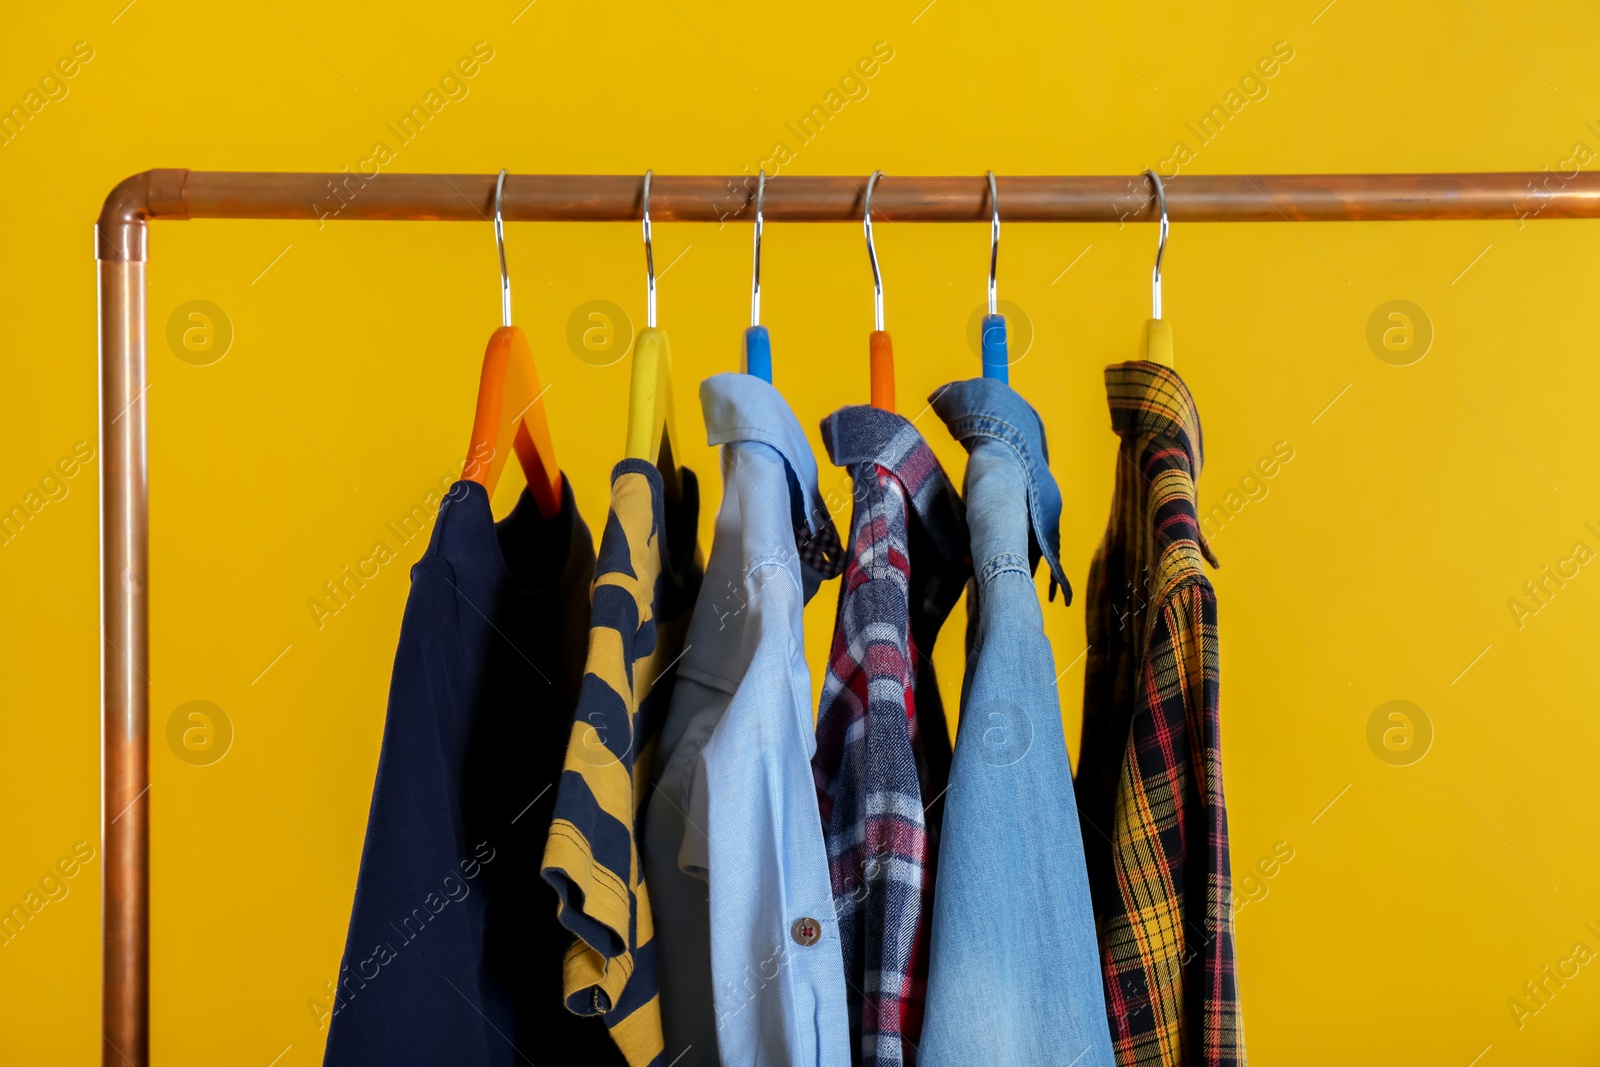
(757, 342)
(996, 358)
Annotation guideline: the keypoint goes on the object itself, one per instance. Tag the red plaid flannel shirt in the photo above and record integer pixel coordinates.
(881, 766)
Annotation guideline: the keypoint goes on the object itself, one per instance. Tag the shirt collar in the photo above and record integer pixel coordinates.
(984, 407)
(1149, 400)
(674, 528)
(1151, 407)
(860, 434)
(742, 407)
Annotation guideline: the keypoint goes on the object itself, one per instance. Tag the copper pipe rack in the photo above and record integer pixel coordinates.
(123, 247)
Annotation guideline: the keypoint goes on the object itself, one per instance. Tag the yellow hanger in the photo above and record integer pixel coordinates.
(1156, 344)
(652, 422)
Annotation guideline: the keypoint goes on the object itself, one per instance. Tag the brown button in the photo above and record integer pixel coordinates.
(806, 931)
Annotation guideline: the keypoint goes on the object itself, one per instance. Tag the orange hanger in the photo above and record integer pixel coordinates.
(511, 412)
(880, 351)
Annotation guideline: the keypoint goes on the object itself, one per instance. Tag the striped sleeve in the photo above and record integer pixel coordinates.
(591, 857)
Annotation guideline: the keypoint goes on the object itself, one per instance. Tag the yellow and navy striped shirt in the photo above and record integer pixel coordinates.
(646, 579)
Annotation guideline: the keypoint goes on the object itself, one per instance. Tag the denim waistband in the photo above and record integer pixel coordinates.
(986, 408)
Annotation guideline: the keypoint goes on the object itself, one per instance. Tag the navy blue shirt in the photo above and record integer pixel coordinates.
(454, 953)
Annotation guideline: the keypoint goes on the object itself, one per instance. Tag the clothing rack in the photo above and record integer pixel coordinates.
(167, 194)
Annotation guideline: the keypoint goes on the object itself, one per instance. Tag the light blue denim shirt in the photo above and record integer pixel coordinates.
(1014, 980)
(749, 953)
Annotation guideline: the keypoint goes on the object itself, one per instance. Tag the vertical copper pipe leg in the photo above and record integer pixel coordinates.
(124, 654)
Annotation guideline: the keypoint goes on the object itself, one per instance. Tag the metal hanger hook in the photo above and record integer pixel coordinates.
(500, 243)
(994, 242)
(755, 273)
(649, 260)
(1161, 247)
(872, 255)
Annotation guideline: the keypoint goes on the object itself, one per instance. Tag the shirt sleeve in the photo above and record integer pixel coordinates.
(416, 924)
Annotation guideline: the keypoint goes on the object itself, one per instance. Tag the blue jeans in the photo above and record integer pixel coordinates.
(1014, 979)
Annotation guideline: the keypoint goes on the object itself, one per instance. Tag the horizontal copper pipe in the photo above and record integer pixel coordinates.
(679, 198)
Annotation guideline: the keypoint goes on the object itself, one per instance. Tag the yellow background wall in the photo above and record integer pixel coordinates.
(1377, 564)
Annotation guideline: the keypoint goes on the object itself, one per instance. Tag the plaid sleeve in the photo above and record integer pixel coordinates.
(1168, 948)
(869, 794)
